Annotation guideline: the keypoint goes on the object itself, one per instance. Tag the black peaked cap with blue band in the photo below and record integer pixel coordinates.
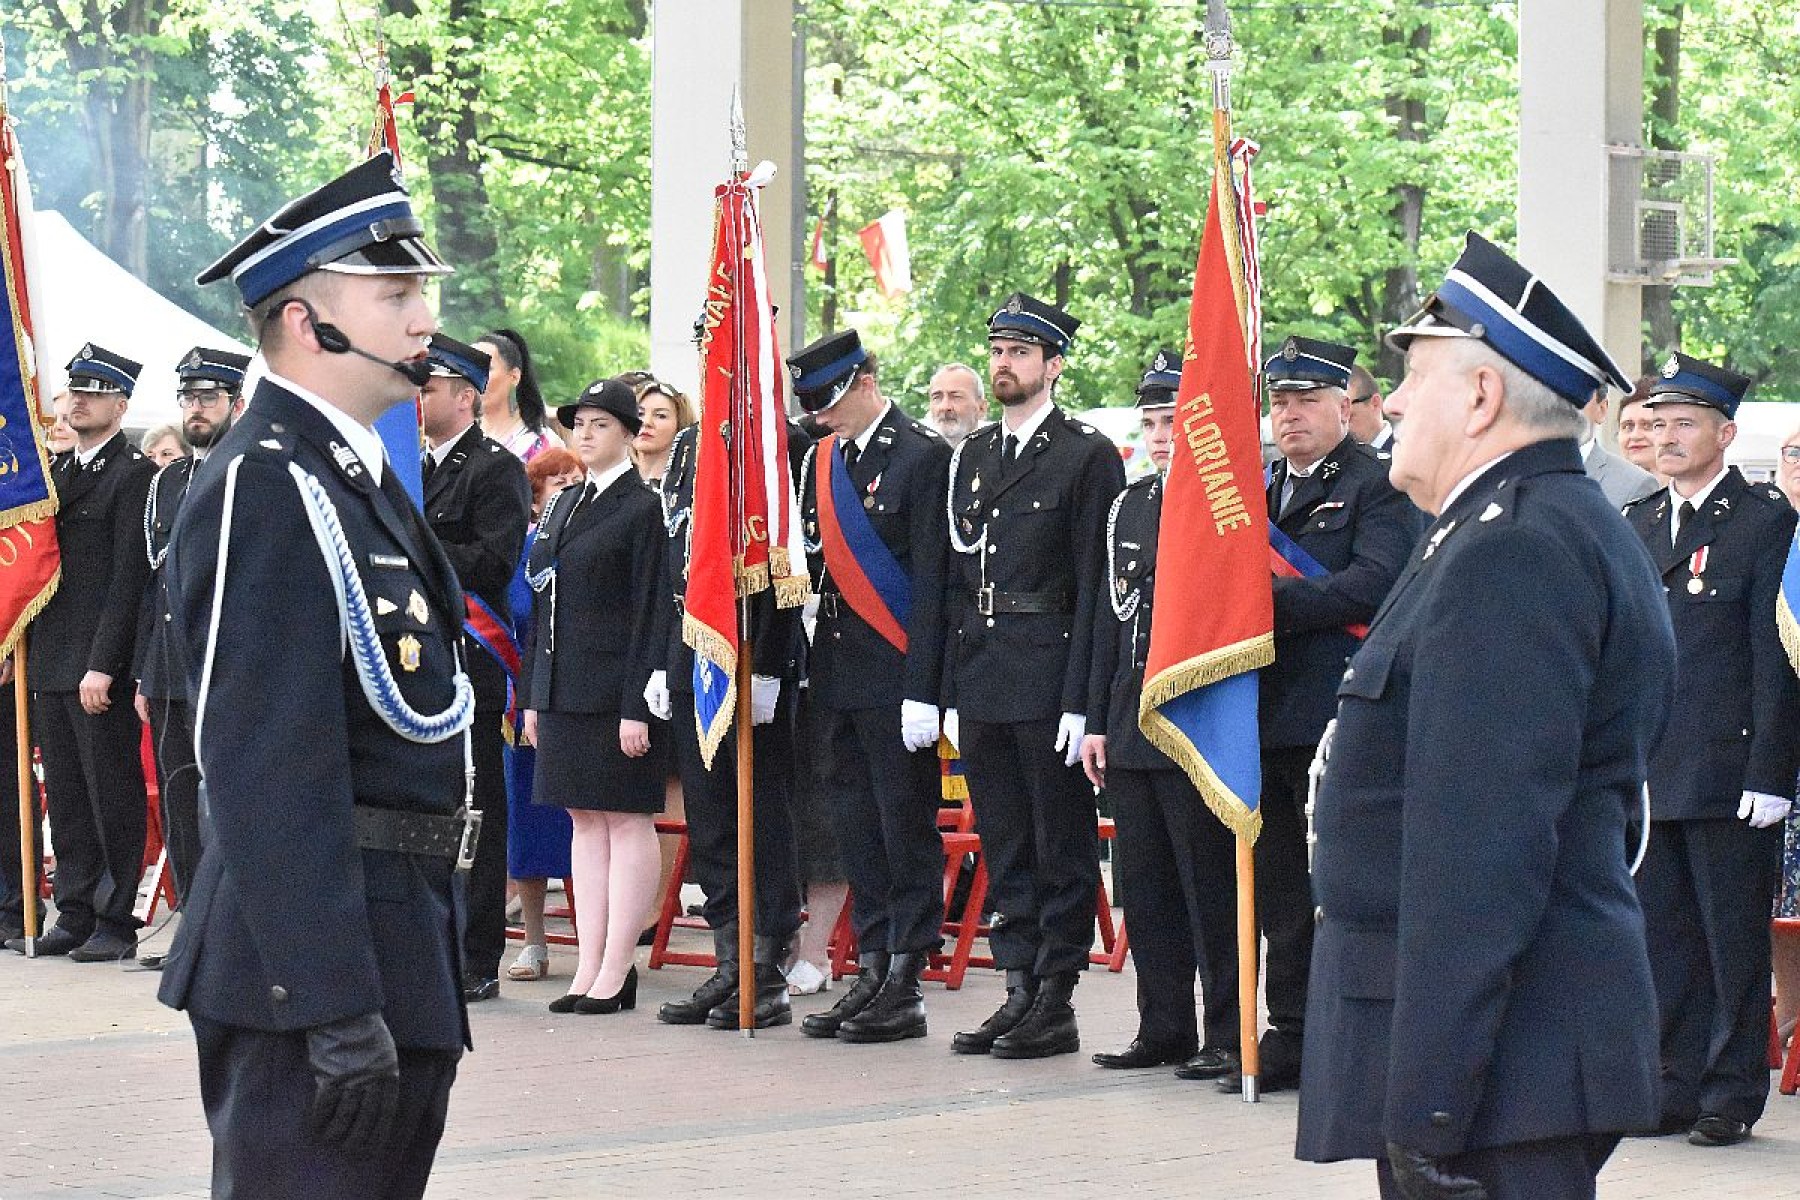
(824, 370)
(1161, 381)
(203, 368)
(1303, 364)
(459, 360)
(1688, 380)
(94, 369)
(361, 223)
(1489, 297)
(608, 395)
(1024, 319)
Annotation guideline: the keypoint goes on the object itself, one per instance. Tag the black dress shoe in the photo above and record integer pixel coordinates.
(57, 941)
(101, 947)
(1142, 1054)
(476, 990)
(1279, 1080)
(1210, 1063)
(1714, 1130)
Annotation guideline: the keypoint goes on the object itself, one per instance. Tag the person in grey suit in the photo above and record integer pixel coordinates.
(1620, 481)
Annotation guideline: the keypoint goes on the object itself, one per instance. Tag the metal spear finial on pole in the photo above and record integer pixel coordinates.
(740, 142)
(1218, 53)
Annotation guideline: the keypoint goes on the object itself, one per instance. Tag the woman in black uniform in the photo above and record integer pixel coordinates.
(596, 566)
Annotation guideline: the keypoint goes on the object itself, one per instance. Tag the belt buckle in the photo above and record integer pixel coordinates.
(471, 837)
(984, 600)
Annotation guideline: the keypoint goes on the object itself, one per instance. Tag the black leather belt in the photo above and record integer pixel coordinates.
(452, 837)
(988, 602)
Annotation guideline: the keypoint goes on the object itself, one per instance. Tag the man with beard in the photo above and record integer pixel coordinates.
(81, 654)
(1027, 518)
(210, 393)
(956, 404)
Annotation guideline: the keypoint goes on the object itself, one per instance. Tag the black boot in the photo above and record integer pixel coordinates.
(898, 1012)
(772, 1006)
(715, 990)
(1021, 989)
(1050, 1026)
(873, 969)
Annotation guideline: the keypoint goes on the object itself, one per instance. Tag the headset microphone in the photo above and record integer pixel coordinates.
(332, 341)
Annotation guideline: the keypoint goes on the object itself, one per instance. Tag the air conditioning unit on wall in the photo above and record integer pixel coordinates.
(1660, 217)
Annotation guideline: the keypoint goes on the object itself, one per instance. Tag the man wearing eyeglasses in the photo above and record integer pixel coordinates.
(1368, 424)
(1787, 468)
(209, 391)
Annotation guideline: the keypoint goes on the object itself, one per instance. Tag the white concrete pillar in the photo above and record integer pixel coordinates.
(701, 49)
(1581, 87)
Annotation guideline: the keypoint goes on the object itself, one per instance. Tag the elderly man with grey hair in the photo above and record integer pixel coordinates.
(1492, 737)
(957, 403)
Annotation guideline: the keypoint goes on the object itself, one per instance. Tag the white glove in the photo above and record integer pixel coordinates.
(1069, 732)
(764, 691)
(1762, 810)
(656, 695)
(918, 724)
(953, 730)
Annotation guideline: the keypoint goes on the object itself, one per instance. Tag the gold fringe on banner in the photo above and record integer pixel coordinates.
(1789, 627)
(32, 608)
(709, 644)
(1223, 663)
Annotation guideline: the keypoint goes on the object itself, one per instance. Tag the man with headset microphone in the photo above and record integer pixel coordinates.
(318, 956)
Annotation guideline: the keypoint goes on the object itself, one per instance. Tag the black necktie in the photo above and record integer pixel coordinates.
(1683, 515)
(852, 452)
(427, 467)
(1009, 455)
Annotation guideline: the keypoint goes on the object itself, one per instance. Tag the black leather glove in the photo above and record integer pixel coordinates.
(356, 1082)
(1419, 1176)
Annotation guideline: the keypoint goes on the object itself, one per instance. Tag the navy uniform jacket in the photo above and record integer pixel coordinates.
(1045, 530)
(1737, 706)
(1351, 520)
(778, 639)
(289, 925)
(91, 623)
(159, 670)
(593, 645)
(1479, 976)
(479, 504)
(1122, 628)
(900, 480)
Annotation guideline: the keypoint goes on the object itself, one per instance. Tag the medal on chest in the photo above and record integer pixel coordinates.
(1697, 568)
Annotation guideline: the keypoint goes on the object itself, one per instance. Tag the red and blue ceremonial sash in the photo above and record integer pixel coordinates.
(869, 577)
(1289, 559)
(487, 630)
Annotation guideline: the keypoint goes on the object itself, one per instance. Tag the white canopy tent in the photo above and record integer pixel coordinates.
(80, 295)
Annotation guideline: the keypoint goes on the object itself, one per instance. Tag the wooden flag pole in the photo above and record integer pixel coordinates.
(28, 851)
(746, 836)
(1248, 1050)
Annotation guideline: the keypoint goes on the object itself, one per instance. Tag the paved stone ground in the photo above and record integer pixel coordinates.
(98, 1098)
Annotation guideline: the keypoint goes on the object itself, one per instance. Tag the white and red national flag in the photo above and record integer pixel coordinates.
(884, 241)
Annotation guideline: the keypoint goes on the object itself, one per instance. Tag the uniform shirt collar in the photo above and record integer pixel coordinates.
(1468, 481)
(605, 479)
(364, 442)
(863, 439)
(1588, 443)
(1025, 431)
(1698, 499)
(441, 451)
(84, 457)
(1386, 435)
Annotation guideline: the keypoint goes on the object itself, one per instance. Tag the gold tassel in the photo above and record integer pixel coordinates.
(1209, 668)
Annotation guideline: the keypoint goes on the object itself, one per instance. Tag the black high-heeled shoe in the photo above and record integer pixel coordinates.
(565, 1004)
(624, 999)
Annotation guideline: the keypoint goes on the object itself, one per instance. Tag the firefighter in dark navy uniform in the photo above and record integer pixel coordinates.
(81, 651)
(1722, 778)
(478, 504)
(872, 506)
(778, 648)
(1177, 858)
(1480, 1018)
(1344, 533)
(210, 393)
(320, 621)
(1027, 518)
